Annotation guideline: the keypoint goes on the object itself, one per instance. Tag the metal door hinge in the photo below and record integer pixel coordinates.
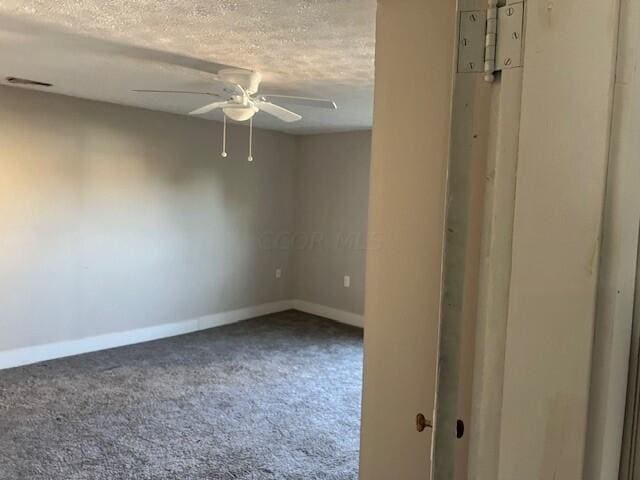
(490, 40)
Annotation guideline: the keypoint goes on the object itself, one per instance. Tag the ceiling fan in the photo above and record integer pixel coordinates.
(240, 101)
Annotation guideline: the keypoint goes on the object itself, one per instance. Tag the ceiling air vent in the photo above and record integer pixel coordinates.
(24, 81)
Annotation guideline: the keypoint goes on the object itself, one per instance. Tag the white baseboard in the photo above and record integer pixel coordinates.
(341, 316)
(49, 351)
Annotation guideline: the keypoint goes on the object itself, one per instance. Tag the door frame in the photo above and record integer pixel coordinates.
(617, 283)
(629, 447)
(544, 363)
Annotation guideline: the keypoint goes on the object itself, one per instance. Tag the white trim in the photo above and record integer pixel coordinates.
(49, 351)
(341, 316)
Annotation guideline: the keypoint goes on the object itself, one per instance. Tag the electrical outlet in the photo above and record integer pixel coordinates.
(278, 272)
(347, 281)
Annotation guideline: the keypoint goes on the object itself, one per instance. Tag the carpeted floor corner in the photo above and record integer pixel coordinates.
(276, 397)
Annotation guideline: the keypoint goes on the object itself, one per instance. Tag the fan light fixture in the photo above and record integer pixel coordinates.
(240, 114)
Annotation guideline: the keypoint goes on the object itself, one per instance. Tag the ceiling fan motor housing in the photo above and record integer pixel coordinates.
(247, 79)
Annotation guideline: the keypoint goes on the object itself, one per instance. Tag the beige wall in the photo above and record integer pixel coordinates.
(332, 186)
(114, 218)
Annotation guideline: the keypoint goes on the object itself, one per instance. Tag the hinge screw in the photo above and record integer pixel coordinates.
(473, 17)
(515, 35)
(507, 62)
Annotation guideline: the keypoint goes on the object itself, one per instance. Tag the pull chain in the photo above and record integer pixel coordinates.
(250, 158)
(224, 136)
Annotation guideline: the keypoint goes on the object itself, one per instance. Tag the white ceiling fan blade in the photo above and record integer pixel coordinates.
(209, 108)
(176, 91)
(304, 101)
(277, 111)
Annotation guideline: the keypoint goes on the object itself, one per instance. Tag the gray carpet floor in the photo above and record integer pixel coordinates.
(276, 397)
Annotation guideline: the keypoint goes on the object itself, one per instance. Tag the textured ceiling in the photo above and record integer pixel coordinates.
(320, 48)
